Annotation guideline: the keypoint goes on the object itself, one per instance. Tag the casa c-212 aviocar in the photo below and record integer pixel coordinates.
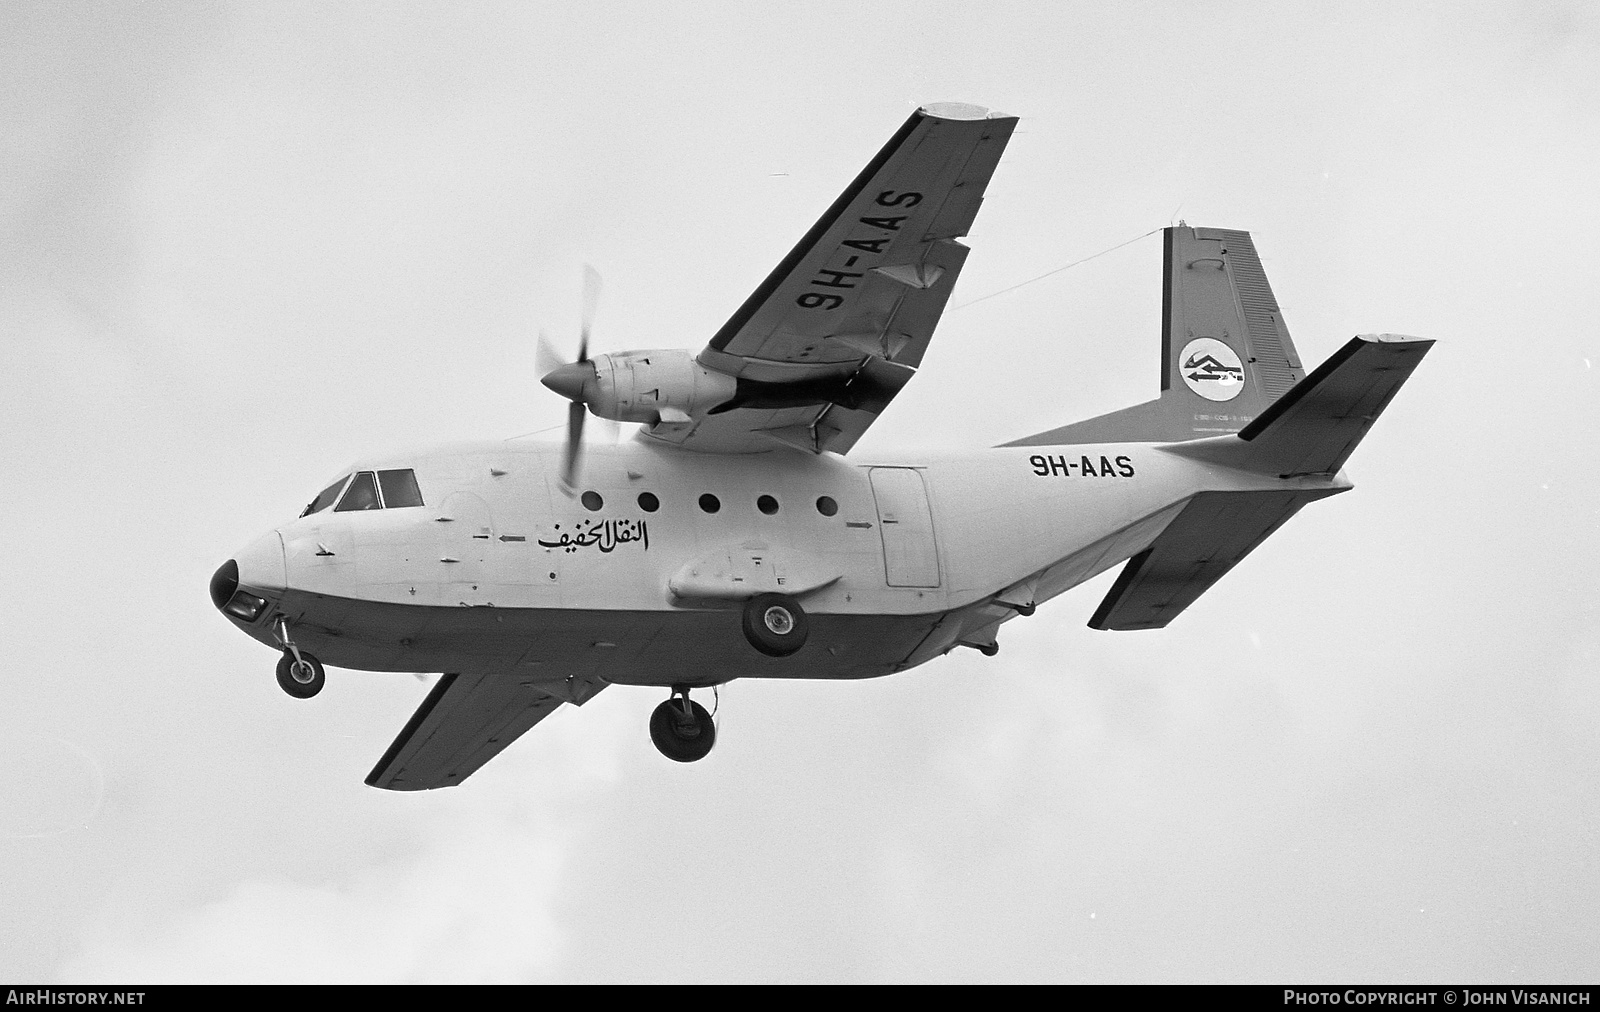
(734, 537)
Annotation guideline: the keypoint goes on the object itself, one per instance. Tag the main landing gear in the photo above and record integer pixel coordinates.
(681, 728)
(775, 624)
(299, 674)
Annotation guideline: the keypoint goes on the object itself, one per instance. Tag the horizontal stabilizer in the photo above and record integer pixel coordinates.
(1202, 543)
(1313, 428)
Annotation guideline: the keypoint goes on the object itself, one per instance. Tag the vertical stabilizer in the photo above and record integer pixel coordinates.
(1225, 350)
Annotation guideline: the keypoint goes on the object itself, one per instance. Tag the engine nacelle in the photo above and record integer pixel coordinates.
(665, 385)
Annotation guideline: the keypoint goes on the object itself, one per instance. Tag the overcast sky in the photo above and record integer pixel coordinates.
(241, 245)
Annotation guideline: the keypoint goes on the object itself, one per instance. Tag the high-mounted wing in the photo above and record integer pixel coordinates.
(465, 721)
(832, 334)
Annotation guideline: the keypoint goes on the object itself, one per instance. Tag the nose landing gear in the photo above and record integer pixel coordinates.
(299, 673)
(681, 728)
(301, 677)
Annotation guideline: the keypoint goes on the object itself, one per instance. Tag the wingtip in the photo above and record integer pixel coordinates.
(960, 111)
(1394, 339)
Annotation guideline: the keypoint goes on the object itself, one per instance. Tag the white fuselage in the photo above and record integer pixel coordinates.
(503, 570)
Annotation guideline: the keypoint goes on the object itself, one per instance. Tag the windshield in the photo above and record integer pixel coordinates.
(369, 490)
(399, 488)
(325, 498)
(362, 494)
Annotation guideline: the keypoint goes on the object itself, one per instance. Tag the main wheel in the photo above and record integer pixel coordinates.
(301, 679)
(682, 737)
(775, 624)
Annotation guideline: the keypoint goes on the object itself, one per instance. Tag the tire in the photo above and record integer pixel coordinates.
(680, 739)
(296, 687)
(775, 624)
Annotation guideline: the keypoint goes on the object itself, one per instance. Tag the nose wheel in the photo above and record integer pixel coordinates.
(681, 728)
(301, 677)
(299, 674)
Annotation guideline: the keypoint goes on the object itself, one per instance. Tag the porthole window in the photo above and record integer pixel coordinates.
(648, 502)
(710, 503)
(826, 506)
(592, 501)
(767, 505)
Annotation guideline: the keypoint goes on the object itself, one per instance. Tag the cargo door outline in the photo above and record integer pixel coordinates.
(905, 522)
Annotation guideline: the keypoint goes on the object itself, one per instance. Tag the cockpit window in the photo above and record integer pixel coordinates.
(325, 498)
(400, 488)
(361, 495)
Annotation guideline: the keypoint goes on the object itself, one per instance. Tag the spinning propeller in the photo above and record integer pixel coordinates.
(575, 380)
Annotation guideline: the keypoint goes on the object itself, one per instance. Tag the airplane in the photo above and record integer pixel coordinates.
(733, 537)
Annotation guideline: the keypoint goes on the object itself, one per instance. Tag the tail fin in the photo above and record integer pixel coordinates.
(1225, 351)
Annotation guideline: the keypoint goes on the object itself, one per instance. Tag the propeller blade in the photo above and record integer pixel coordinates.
(575, 413)
(591, 302)
(572, 380)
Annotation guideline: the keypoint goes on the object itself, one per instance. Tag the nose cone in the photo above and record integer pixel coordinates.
(260, 565)
(224, 582)
(569, 380)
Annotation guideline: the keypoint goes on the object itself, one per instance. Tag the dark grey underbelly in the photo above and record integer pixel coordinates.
(627, 647)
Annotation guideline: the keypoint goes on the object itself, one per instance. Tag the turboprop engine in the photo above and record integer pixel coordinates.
(668, 385)
(665, 385)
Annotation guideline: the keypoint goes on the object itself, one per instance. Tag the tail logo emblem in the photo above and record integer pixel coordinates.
(1211, 369)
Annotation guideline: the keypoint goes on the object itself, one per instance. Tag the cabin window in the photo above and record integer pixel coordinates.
(592, 501)
(648, 502)
(767, 505)
(361, 495)
(826, 506)
(710, 503)
(399, 488)
(325, 498)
